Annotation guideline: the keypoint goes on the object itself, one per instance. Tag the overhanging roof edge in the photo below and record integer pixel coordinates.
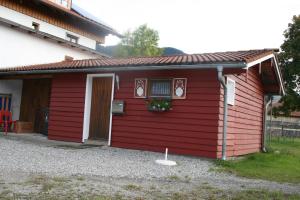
(239, 65)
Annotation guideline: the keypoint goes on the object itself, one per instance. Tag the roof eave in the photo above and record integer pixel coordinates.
(278, 72)
(236, 65)
(108, 29)
(44, 35)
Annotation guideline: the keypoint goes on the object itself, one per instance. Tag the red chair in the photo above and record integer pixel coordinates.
(6, 121)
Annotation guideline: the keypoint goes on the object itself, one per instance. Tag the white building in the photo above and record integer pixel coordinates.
(44, 31)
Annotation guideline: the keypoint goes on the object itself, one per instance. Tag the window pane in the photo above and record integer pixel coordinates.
(63, 2)
(72, 38)
(160, 88)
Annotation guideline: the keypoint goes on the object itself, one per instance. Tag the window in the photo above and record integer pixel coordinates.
(230, 91)
(64, 3)
(72, 38)
(36, 26)
(99, 47)
(160, 88)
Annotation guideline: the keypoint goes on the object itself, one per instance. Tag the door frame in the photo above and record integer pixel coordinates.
(88, 102)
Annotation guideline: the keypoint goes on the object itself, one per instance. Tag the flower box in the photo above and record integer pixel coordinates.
(159, 105)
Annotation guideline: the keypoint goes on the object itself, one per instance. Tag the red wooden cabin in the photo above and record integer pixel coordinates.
(156, 102)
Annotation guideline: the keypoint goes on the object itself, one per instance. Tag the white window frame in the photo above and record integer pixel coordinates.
(150, 82)
(72, 38)
(36, 26)
(64, 3)
(230, 93)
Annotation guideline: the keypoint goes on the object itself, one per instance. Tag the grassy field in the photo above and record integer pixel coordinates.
(281, 163)
(202, 192)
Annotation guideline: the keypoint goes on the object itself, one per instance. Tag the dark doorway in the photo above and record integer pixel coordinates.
(100, 108)
(35, 103)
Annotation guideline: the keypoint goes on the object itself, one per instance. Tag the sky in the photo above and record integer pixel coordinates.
(198, 26)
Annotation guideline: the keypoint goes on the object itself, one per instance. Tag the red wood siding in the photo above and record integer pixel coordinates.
(67, 107)
(190, 128)
(245, 118)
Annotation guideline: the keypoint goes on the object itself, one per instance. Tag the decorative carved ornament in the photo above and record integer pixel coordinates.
(140, 89)
(179, 88)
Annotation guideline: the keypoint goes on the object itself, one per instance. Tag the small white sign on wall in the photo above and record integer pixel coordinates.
(230, 91)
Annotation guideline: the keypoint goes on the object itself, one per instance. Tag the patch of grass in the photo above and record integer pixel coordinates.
(80, 178)
(187, 179)
(5, 194)
(199, 194)
(47, 183)
(281, 163)
(60, 179)
(66, 196)
(138, 198)
(179, 196)
(204, 191)
(152, 187)
(37, 180)
(264, 194)
(217, 194)
(173, 178)
(132, 187)
(47, 186)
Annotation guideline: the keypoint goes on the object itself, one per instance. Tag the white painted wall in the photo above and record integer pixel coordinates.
(13, 87)
(25, 20)
(20, 48)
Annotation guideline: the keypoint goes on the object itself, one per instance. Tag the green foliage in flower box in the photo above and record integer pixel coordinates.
(159, 104)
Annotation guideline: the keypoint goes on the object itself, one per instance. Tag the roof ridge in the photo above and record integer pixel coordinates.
(187, 54)
(233, 51)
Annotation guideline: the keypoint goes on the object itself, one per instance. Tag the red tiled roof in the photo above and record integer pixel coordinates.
(231, 57)
(295, 114)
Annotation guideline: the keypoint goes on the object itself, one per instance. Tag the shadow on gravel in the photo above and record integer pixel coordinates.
(83, 146)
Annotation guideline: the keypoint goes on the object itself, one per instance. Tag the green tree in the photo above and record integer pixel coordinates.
(290, 62)
(141, 42)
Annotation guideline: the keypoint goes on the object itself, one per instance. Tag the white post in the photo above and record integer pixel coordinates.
(166, 161)
(166, 156)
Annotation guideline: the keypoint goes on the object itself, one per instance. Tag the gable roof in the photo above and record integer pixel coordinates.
(230, 58)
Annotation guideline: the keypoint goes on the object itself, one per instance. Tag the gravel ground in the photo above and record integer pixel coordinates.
(100, 161)
(24, 157)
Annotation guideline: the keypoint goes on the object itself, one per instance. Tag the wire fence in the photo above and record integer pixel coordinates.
(282, 130)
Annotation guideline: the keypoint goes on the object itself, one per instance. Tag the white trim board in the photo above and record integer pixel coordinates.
(279, 75)
(258, 61)
(250, 64)
(87, 105)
